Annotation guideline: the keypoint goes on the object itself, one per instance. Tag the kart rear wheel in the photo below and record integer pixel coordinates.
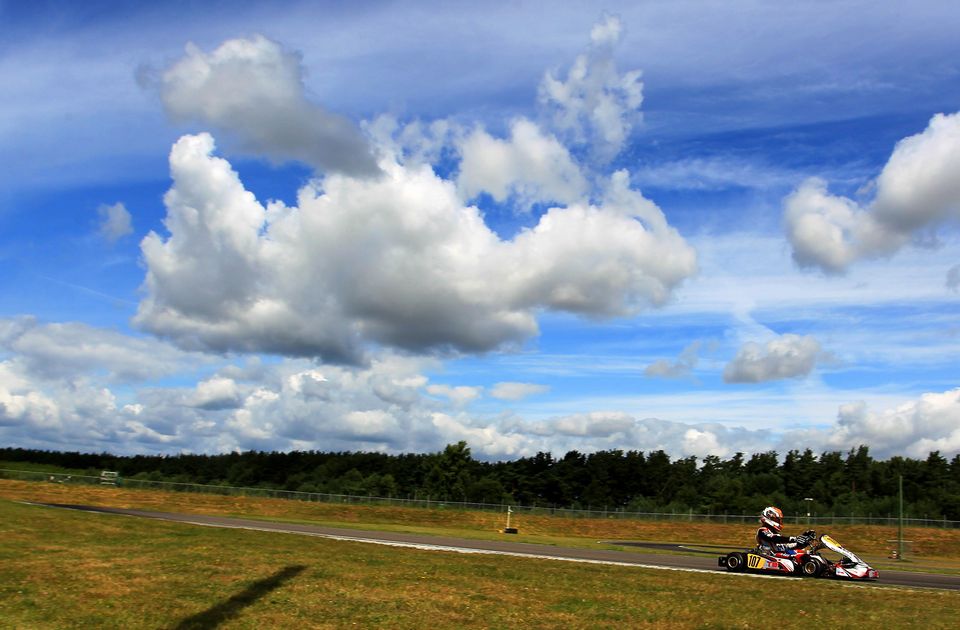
(735, 562)
(811, 568)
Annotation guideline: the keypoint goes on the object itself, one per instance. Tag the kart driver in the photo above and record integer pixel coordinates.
(770, 539)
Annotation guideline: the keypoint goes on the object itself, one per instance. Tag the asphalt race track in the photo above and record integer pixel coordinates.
(706, 560)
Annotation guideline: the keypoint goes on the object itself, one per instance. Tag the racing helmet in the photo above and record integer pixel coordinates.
(773, 518)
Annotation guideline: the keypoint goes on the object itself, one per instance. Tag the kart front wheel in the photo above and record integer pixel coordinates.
(735, 562)
(811, 568)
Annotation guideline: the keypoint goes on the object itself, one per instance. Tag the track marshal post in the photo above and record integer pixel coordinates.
(508, 529)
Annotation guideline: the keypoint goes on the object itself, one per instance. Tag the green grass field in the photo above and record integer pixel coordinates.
(63, 569)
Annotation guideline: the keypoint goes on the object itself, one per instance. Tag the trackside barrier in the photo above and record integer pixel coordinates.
(322, 497)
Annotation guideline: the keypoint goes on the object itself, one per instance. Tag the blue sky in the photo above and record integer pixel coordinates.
(698, 226)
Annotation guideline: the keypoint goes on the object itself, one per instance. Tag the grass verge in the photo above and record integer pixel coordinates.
(931, 548)
(63, 569)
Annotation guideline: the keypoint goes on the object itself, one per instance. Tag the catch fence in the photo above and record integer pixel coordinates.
(814, 520)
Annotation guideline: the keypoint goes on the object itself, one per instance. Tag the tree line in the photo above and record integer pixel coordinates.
(852, 483)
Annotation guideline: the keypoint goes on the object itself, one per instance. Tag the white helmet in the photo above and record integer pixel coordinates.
(773, 518)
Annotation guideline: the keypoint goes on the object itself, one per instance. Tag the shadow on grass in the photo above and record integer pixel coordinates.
(229, 609)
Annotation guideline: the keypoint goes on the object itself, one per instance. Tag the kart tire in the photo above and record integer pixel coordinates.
(735, 562)
(811, 568)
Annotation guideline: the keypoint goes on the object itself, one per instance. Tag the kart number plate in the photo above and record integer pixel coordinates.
(754, 562)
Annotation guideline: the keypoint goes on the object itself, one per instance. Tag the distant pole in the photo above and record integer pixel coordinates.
(508, 529)
(900, 525)
(808, 501)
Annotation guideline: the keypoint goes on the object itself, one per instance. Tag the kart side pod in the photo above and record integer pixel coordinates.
(809, 566)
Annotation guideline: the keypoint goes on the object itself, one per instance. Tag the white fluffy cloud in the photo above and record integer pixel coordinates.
(617, 430)
(282, 406)
(788, 356)
(216, 393)
(115, 221)
(396, 261)
(595, 104)
(58, 385)
(20, 404)
(294, 404)
(594, 424)
(390, 405)
(915, 428)
(917, 190)
(530, 166)
(415, 142)
(379, 407)
(253, 90)
(702, 443)
(832, 232)
(62, 349)
(66, 414)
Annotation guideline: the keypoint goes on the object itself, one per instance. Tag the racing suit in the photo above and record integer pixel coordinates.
(769, 540)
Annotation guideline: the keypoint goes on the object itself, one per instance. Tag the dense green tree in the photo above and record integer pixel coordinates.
(838, 483)
(449, 476)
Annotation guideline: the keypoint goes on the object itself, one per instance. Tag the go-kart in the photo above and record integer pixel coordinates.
(806, 561)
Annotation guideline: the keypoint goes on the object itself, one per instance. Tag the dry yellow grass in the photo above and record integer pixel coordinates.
(63, 569)
(873, 540)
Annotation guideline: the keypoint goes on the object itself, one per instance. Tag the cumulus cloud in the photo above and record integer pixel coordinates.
(65, 414)
(486, 440)
(115, 221)
(58, 385)
(617, 430)
(510, 390)
(283, 408)
(595, 424)
(530, 166)
(595, 104)
(57, 350)
(831, 232)
(702, 443)
(917, 190)
(397, 261)
(378, 407)
(309, 383)
(388, 405)
(391, 406)
(253, 90)
(216, 393)
(416, 142)
(914, 428)
(20, 404)
(788, 356)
